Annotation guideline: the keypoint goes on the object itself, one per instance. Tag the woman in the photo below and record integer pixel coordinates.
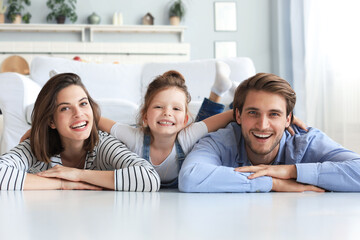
(66, 151)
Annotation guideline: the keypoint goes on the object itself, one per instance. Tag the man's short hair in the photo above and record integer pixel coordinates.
(265, 82)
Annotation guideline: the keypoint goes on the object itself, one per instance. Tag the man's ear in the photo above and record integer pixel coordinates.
(238, 119)
(288, 120)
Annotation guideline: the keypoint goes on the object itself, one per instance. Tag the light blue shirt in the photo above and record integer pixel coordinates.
(319, 161)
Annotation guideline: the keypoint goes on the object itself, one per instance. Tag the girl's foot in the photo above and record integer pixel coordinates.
(233, 87)
(222, 81)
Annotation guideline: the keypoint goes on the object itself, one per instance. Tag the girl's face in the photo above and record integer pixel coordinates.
(167, 114)
(73, 116)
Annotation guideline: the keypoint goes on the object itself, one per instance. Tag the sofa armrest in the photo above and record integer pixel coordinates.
(17, 92)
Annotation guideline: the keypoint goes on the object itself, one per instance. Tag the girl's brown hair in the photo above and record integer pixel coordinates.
(45, 141)
(167, 80)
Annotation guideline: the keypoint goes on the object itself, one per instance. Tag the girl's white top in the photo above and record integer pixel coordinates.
(169, 168)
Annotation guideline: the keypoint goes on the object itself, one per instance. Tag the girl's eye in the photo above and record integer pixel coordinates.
(177, 109)
(64, 109)
(84, 103)
(157, 107)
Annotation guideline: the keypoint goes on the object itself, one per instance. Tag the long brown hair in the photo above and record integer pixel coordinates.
(266, 82)
(167, 80)
(45, 141)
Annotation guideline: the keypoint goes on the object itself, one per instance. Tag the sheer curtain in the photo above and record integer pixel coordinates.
(324, 44)
(332, 63)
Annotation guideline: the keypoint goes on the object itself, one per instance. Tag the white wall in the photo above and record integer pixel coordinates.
(253, 35)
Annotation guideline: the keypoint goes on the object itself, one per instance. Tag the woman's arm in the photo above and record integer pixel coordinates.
(105, 124)
(131, 173)
(220, 120)
(34, 182)
(15, 164)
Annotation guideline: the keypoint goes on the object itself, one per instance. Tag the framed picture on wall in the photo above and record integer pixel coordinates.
(225, 16)
(225, 49)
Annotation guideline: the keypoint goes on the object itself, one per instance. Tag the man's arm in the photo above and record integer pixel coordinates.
(204, 171)
(324, 163)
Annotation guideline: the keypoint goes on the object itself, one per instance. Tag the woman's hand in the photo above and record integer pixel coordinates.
(66, 173)
(298, 123)
(25, 136)
(69, 185)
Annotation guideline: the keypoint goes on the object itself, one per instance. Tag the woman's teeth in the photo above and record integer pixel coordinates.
(79, 125)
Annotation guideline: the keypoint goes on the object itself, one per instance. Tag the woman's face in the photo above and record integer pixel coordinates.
(73, 116)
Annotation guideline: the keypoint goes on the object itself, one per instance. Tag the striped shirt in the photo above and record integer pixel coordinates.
(131, 173)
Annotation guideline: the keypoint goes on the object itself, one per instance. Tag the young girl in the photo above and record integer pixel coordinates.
(163, 138)
(66, 151)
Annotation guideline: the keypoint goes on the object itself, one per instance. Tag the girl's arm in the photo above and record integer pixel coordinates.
(105, 124)
(220, 120)
(299, 123)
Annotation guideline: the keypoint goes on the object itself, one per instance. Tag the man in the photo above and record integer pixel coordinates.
(256, 154)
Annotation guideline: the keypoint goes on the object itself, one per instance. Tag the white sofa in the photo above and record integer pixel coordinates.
(118, 88)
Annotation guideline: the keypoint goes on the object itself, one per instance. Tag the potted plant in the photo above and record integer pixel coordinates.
(176, 12)
(62, 9)
(2, 12)
(15, 10)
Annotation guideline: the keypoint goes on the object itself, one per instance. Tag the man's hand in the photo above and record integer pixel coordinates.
(69, 185)
(285, 185)
(277, 171)
(66, 173)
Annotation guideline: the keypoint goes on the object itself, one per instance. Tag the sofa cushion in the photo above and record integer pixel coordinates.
(119, 81)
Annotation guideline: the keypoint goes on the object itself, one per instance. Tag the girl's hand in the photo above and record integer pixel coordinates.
(25, 136)
(298, 123)
(66, 173)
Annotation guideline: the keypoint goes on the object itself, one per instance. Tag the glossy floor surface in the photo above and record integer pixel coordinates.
(173, 215)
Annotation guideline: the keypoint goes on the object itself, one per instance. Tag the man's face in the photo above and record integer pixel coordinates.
(263, 121)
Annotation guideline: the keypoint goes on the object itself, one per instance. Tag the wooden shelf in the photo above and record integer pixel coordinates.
(94, 28)
(138, 29)
(44, 28)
